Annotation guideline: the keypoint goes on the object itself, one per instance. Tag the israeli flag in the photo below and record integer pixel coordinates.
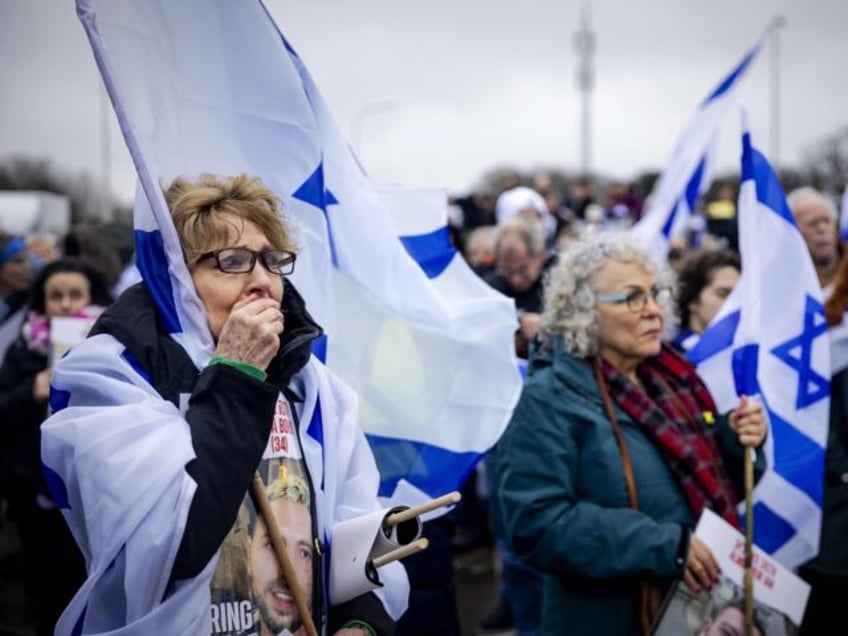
(687, 173)
(770, 340)
(213, 86)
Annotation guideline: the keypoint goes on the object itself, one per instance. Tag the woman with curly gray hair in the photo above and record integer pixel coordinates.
(615, 447)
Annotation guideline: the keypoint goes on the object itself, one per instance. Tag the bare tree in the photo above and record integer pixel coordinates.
(826, 162)
(25, 173)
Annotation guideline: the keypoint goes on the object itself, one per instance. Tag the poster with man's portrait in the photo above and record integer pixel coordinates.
(780, 596)
(250, 593)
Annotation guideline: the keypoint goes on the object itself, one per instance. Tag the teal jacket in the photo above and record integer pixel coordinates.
(564, 498)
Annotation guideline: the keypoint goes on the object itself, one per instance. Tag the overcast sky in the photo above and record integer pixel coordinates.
(438, 92)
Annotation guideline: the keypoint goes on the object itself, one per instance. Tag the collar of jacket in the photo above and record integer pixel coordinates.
(569, 370)
(297, 338)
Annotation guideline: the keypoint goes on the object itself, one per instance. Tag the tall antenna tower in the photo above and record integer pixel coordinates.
(584, 45)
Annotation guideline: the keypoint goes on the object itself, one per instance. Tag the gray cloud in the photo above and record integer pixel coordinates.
(473, 84)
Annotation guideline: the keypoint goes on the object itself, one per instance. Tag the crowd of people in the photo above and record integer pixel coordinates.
(589, 497)
(38, 287)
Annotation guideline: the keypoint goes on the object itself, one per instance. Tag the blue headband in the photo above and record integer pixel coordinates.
(12, 249)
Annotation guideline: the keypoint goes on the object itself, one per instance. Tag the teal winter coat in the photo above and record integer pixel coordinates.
(564, 498)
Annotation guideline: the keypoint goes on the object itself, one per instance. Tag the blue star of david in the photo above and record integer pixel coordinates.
(313, 192)
(811, 386)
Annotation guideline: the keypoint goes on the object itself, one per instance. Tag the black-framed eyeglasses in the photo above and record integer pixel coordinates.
(240, 260)
(637, 299)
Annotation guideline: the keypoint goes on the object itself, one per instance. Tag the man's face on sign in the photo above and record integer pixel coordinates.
(276, 604)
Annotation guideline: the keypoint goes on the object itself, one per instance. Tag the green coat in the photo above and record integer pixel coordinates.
(564, 498)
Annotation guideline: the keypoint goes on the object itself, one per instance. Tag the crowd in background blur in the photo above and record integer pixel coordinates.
(511, 237)
(43, 278)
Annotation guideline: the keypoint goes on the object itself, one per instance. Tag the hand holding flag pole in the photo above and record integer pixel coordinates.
(748, 420)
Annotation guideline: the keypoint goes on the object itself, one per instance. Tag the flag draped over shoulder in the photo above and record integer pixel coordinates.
(770, 340)
(687, 173)
(212, 86)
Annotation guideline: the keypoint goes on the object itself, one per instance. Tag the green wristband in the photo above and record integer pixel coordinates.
(244, 367)
(365, 627)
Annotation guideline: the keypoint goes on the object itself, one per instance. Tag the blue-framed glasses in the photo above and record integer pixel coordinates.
(637, 299)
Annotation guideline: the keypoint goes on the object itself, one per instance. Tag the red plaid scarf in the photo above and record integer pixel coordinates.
(671, 410)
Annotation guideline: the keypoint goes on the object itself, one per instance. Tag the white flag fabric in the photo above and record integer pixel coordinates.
(686, 174)
(213, 86)
(770, 340)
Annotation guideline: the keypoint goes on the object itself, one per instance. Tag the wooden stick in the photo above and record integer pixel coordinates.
(410, 513)
(401, 552)
(260, 499)
(749, 542)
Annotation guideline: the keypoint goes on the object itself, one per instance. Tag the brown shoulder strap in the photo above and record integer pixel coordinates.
(619, 436)
(650, 597)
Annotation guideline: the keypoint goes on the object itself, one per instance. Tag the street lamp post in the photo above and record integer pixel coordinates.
(779, 23)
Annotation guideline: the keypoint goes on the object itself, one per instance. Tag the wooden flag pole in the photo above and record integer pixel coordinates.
(749, 542)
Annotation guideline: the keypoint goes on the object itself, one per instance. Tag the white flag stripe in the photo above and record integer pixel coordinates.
(415, 209)
(791, 504)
